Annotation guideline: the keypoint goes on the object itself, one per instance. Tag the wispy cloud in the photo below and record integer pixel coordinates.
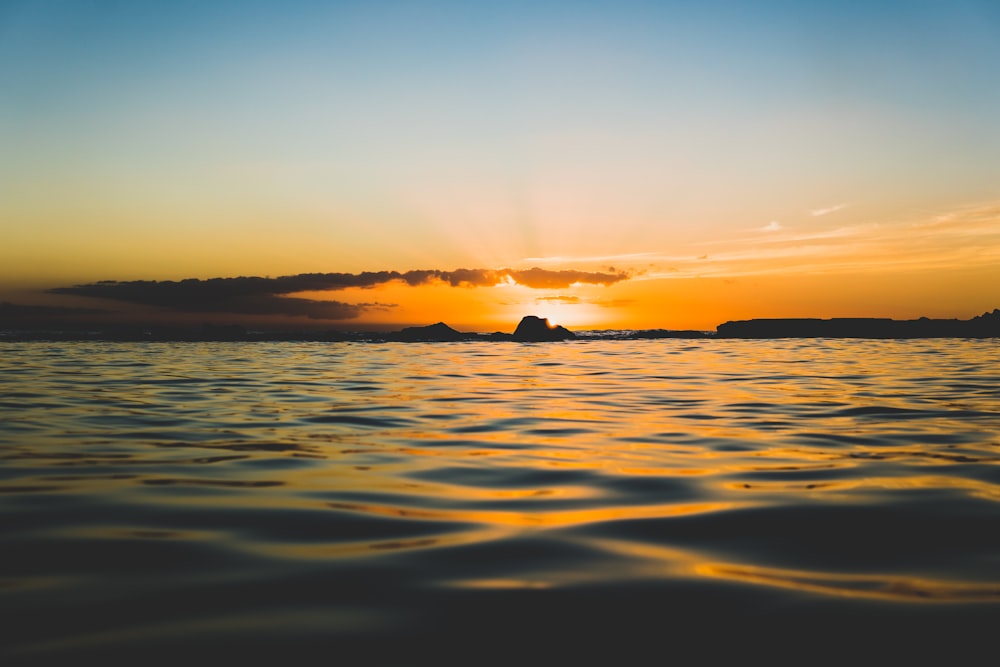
(613, 303)
(260, 296)
(773, 226)
(559, 299)
(961, 239)
(591, 259)
(545, 279)
(817, 212)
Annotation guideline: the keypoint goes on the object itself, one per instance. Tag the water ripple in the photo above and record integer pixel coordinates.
(360, 481)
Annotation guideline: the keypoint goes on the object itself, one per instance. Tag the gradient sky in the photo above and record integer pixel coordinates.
(729, 159)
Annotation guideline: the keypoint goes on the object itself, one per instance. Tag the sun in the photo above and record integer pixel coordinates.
(558, 308)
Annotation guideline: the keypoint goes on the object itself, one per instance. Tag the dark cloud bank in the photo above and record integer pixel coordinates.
(267, 296)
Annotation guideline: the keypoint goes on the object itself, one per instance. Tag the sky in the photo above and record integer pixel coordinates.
(364, 165)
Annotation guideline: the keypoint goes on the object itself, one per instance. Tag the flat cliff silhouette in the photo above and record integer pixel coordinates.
(986, 325)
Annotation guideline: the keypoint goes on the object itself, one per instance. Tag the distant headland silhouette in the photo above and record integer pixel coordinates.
(986, 325)
(532, 329)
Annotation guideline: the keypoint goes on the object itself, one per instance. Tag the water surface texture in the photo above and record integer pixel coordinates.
(415, 498)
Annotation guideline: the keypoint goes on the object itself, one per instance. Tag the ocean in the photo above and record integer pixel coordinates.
(418, 503)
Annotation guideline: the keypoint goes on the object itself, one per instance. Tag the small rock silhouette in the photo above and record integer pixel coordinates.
(439, 332)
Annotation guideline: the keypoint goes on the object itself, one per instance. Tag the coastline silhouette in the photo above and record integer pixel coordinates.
(19, 324)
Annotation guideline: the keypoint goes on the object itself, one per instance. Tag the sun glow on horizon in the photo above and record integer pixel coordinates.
(565, 312)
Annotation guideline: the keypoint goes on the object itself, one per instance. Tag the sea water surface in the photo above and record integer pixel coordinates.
(431, 499)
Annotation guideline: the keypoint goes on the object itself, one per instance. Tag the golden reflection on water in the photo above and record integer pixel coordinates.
(883, 587)
(658, 561)
(544, 519)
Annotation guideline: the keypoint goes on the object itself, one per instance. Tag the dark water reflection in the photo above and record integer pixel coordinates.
(393, 499)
